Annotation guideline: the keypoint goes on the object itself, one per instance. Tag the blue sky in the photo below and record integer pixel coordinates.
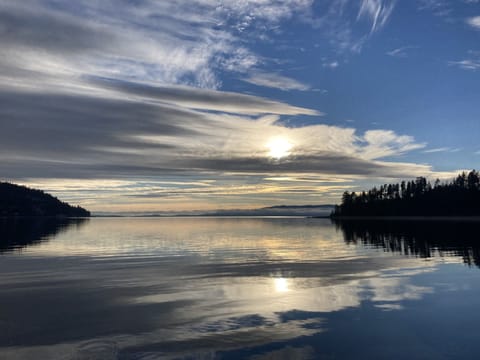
(201, 104)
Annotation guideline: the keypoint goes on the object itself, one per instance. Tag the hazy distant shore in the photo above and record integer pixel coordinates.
(272, 211)
(207, 216)
(9, 217)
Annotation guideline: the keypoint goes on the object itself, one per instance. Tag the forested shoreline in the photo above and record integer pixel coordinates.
(17, 200)
(419, 197)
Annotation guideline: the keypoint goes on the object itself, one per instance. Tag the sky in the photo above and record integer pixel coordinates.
(143, 105)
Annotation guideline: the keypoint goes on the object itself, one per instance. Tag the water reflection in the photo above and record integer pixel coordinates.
(281, 285)
(231, 289)
(17, 233)
(423, 239)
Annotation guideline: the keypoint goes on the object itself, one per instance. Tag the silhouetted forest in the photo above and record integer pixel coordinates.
(460, 197)
(417, 238)
(16, 200)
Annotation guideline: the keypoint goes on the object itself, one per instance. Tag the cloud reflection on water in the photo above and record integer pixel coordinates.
(194, 287)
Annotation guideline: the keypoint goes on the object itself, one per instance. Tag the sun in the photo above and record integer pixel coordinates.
(279, 148)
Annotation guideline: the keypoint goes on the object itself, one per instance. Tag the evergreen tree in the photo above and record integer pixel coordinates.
(460, 197)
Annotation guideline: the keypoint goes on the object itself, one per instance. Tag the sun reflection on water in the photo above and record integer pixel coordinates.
(281, 284)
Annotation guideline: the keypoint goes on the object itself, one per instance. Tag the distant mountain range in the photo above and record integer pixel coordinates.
(280, 210)
(17, 200)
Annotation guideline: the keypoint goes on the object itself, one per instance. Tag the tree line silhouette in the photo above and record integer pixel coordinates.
(419, 197)
(17, 200)
(424, 239)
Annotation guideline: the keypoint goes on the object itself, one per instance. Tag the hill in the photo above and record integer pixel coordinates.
(16, 200)
(279, 210)
(460, 197)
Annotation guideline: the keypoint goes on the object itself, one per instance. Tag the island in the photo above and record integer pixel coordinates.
(17, 200)
(416, 198)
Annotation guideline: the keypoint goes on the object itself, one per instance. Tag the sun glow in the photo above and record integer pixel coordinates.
(281, 284)
(279, 148)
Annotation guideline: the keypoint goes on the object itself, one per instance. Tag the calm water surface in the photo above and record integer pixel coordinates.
(226, 288)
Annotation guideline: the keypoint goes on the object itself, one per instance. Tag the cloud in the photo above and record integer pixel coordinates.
(441, 8)
(115, 90)
(276, 81)
(474, 22)
(377, 11)
(384, 143)
(331, 65)
(67, 43)
(202, 98)
(471, 61)
(400, 52)
(182, 42)
(466, 64)
(146, 130)
(442, 149)
(343, 22)
(436, 150)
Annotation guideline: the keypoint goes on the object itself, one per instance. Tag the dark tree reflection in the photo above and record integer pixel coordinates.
(417, 238)
(17, 233)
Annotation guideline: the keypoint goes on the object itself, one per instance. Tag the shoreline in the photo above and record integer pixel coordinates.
(409, 218)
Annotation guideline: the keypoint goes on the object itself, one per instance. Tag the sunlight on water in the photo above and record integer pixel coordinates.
(230, 288)
(281, 285)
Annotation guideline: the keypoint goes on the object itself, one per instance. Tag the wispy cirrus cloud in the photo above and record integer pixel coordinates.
(202, 99)
(441, 8)
(330, 64)
(436, 150)
(276, 81)
(184, 42)
(442, 150)
(471, 62)
(344, 21)
(378, 11)
(467, 64)
(446, 9)
(401, 52)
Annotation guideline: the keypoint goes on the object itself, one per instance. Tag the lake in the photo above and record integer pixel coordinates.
(238, 288)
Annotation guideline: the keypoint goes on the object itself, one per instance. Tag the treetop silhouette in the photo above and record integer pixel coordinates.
(460, 197)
